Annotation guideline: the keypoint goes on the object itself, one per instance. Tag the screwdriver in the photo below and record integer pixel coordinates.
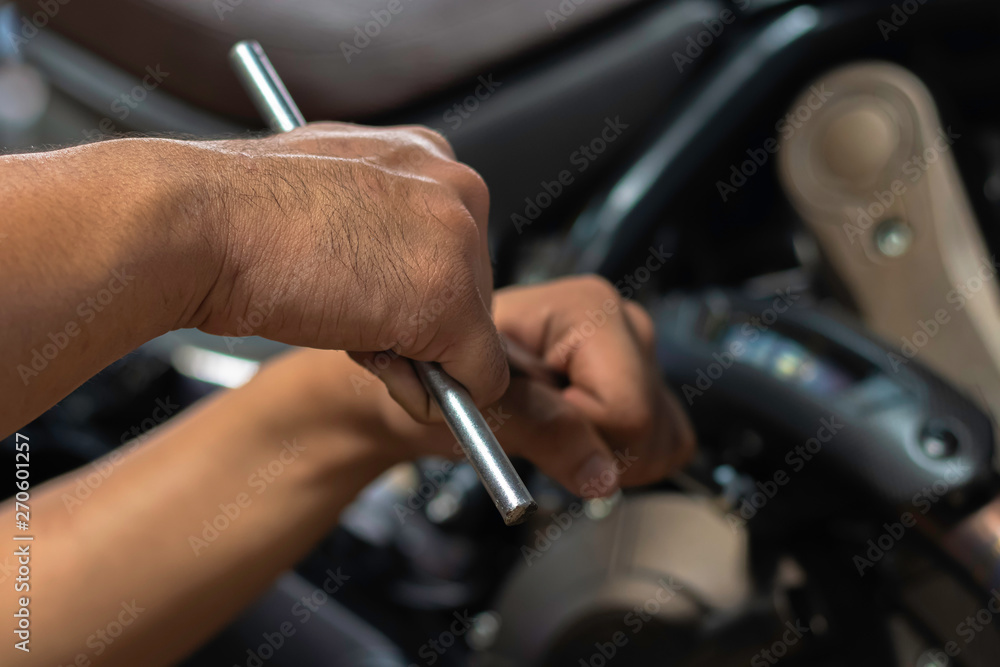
(466, 422)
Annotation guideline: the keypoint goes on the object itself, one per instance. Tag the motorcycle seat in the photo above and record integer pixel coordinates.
(340, 60)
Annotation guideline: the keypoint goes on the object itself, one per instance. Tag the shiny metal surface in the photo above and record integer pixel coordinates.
(478, 443)
(265, 86)
(466, 422)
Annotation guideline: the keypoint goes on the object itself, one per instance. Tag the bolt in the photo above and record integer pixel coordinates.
(938, 441)
(893, 237)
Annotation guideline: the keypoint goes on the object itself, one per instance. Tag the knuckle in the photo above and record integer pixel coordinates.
(467, 232)
(425, 135)
(461, 244)
(411, 157)
(431, 135)
(468, 180)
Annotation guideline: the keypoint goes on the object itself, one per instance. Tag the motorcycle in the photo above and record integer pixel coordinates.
(801, 195)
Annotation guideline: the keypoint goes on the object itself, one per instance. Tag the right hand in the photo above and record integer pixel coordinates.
(340, 236)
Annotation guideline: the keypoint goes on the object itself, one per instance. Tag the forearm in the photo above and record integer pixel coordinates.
(191, 526)
(103, 248)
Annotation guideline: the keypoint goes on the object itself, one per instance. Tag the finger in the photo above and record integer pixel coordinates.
(467, 343)
(468, 347)
(671, 425)
(478, 360)
(523, 362)
(545, 429)
(590, 336)
(608, 373)
(471, 190)
(401, 380)
(534, 422)
(674, 425)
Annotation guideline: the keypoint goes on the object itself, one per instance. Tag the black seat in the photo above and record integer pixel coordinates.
(347, 59)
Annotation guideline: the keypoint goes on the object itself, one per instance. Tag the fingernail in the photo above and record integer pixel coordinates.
(597, 477)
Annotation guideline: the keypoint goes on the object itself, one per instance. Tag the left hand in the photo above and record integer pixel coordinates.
(613, 423)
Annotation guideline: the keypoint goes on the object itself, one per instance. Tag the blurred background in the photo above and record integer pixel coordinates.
(806, 195)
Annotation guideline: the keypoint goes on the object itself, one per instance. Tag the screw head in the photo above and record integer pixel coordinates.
(938, 441)
(893, 237)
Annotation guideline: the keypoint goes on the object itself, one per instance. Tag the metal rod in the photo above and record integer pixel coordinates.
(478, 443)
(265, 86)
(466, 422)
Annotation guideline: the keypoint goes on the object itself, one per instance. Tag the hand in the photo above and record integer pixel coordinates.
(615, 411)
(340, 236)
(613, 423)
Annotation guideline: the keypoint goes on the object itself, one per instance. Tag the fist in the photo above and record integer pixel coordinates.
(339, 236)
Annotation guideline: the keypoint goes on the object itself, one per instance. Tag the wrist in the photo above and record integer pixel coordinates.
(122, 209)
(174, 202)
